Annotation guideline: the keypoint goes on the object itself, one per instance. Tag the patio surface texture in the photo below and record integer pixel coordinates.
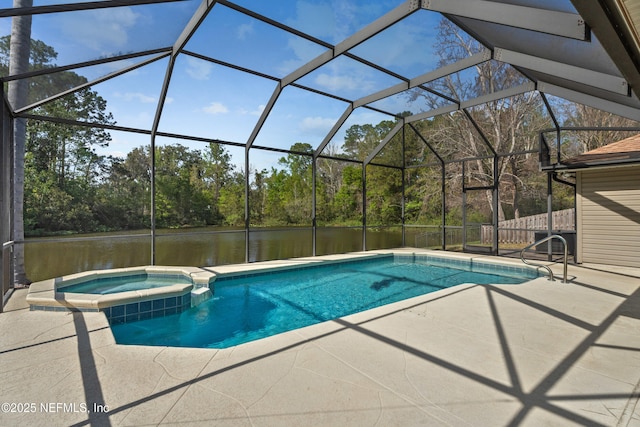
(537, 354)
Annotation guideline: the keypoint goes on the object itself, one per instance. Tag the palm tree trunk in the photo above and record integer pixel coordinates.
(19, 51)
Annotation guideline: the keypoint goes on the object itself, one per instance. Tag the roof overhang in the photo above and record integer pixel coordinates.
(596, 161)
(616, 23)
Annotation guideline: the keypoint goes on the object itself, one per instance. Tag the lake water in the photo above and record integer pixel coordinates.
(47, 258)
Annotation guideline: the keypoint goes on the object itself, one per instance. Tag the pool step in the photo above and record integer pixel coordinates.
(200, 295)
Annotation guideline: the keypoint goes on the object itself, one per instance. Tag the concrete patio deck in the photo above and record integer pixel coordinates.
(540, 353)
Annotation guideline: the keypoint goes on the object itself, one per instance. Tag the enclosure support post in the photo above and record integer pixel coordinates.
(313, 204)
(246, 204)
(495, 203)
(442, 187)
(496, 206)
(364, 207)
(6, 191)
(404, 236)
(152, 156)
(549, 216)
(464, 208)
(444, 207)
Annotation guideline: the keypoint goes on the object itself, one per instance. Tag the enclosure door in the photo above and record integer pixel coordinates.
(477, 227)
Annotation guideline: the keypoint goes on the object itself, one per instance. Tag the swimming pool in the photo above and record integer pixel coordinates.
(253, 306)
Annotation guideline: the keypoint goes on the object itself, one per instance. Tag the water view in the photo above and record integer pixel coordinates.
(53, 257)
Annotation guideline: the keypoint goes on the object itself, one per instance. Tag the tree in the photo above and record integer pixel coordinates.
(288, 190)
(60, 155)
(17, 95)
(69, 151)
(231, 201)
(257, 197)
(217, 172)
(124, 194)
(181, 196)
(360, 140)
(348, 201)
(582, 115)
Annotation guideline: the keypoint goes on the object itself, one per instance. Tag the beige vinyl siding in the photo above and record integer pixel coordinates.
(609, 216)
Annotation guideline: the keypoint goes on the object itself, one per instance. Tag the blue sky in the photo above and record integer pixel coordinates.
(213, 101)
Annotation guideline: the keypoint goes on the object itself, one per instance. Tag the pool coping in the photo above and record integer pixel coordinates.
(47, 295)
(248, 269)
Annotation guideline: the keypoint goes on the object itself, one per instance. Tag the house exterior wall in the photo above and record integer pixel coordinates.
(608, 216)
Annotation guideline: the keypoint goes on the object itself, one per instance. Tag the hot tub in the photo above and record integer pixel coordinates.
(124, 294)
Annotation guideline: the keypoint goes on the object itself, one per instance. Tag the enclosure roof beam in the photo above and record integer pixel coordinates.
(400, 87)
(390, 18)
(263, 117)
(274, 23)
(91, 83)
(570, 72)
(384, 142)
(518, 90)
(57, 69)
(495, 96)
(590, 100)
(382, 23)
(480, 132)
(506, 93)
(336, 127)
(475, 59)
(563, 24)
(470, 61)
(192, 25)
(424, 140)
(385, 21)
(70, 7)
(616, 34)
(552, 114)
(544, 151)
(432, 113)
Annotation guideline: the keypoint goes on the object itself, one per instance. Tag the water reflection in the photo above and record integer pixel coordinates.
(47, 258)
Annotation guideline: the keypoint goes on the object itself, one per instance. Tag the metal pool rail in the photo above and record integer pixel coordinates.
(553, 236)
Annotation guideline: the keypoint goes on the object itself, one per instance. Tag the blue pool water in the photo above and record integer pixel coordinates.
(110, 285)
(256, 306)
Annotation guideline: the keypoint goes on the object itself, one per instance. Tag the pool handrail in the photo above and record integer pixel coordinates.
(553, 236)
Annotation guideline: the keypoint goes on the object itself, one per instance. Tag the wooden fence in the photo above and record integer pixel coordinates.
(522, 230)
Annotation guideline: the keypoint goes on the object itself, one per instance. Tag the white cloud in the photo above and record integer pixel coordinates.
(102, 30)
(314, 124)
(216, 108)
(258, 111)
(244, 30)
(198, 69)
(403, 45)
(136, 96)
(303, 52)
(346, 18)
(315, 19)
(337, 83)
